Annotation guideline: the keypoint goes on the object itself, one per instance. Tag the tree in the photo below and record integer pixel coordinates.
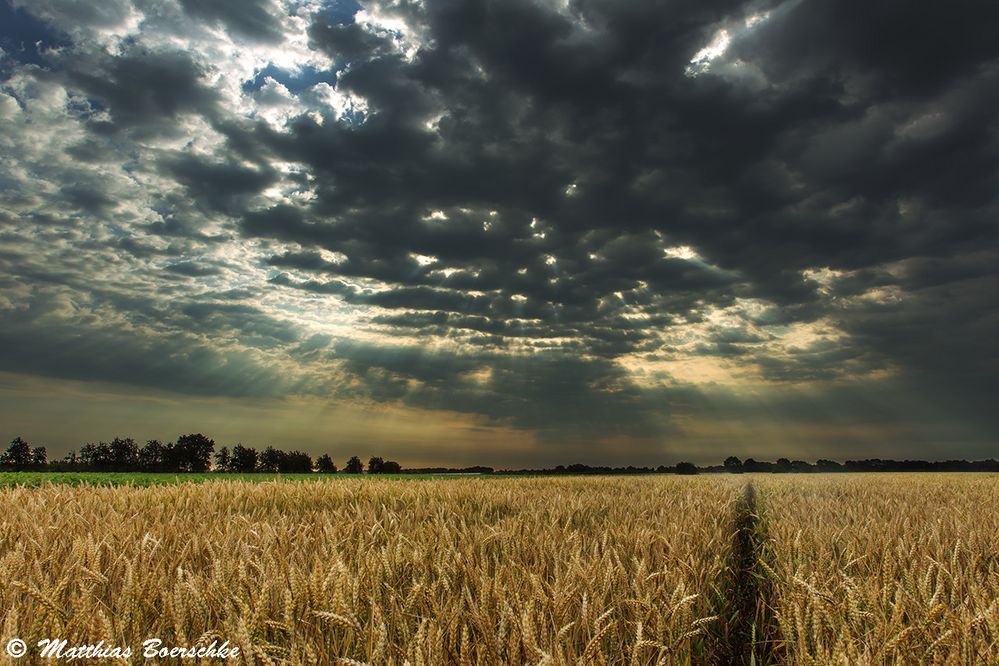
(152, 456)
(354, 466)
(391, 467)
(244, 459)
(782, 465)
(296, 462)
(96, 456)
(271, 460)
(733, 465)
(757, 466)
(193, 453)
(72, 461)
(123, 454)
(39, 457)
(17, 455)
(223, 461)
(686, 468)
(375, 464)
(325, 465)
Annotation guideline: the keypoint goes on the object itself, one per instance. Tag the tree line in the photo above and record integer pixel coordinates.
(785, 466)
(194, 453)
(734, 465)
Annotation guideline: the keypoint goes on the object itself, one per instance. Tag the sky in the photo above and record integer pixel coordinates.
(504, 232)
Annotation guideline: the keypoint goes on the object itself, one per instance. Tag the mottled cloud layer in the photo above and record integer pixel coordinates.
(589, 229)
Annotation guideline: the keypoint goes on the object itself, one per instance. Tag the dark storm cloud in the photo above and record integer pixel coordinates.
(802, 191)
(883, 43)
(37, 343)
(144, 89)
(252, 19)
(553, 394)
(76, 16)
(944, 333)
(87, 198)
(836, 124)
(193, 269)
(222, 187)
(249, 323)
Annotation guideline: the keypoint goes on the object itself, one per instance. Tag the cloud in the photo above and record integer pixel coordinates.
(141, 88)
(54, 337)
(254, 20)
(584, 220)
(221, 187)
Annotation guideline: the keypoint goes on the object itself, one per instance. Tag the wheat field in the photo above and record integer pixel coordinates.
(858, 569)
(885, 569)
(471, 571)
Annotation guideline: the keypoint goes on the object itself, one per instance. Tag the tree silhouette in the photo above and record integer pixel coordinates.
(391, 467)
(296, 462)
(152, 456)
(244, 459)
(754, 466)
(270, 460)
(39, 457)
(223, 461)
(733, 465)
(95, 456)
(17, 455)
(686, 468)
(325, 465)
(193, 453)
(375, 464)
(123, 454)
(354, 466)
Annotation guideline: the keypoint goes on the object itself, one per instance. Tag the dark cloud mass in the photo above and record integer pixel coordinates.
(251, 19)
(648, 227)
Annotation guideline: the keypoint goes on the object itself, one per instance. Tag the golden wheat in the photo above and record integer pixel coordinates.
(886, 569)
(472, 571)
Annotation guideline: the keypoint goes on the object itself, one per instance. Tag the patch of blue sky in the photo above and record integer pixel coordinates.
(24, 38)
(295, 82)
(353, 117)
(340, 12)
(85, 107)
